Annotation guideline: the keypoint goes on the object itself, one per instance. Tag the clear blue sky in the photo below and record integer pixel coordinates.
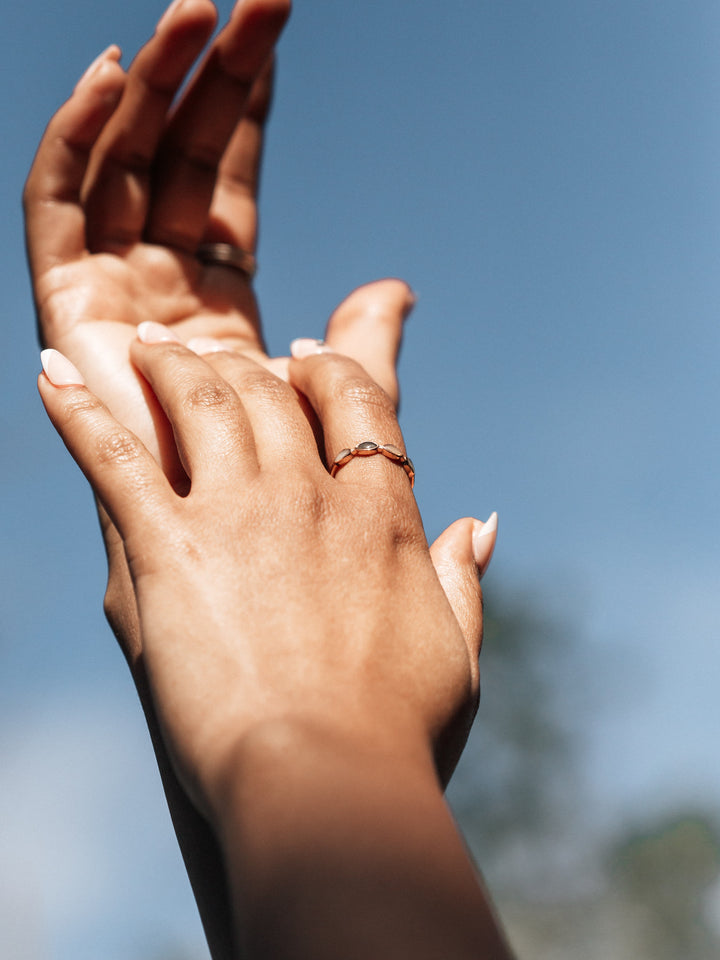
(546, 177)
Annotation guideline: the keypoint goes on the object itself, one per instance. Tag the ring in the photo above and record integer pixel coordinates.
(366, 449)
(226, 255)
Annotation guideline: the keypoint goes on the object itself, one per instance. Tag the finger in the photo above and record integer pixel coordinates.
(54, 218)
(125, 477)
(368, 327)
(353, 411)
(116, 191)
(461, 555)
(282, 433)
(185, 173)
(233, 213)
(212, 431)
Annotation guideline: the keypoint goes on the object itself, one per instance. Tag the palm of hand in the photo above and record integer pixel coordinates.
(90, 308)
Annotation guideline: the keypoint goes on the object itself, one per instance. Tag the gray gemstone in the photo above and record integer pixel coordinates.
(367, 446)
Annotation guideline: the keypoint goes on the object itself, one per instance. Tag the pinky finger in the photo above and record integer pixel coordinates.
(461, 555)
(125, 477)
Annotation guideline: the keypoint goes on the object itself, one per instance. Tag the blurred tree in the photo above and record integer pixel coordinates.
(641, 894)
(665, 874)
(518, 776)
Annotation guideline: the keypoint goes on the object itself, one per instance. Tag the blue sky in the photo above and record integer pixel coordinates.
(546, 178)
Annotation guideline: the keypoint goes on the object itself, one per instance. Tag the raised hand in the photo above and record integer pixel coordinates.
(312, 730)
(125, 189)
(126, 186)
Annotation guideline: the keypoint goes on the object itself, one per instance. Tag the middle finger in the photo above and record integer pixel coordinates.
(117, 184)
(283, 434)
(185, 172)
(213, 433)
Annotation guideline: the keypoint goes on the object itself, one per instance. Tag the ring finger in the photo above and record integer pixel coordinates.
(363, 442)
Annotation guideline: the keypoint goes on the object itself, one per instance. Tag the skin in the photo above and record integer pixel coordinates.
(354, 696)
(124, 186)
(115, 207)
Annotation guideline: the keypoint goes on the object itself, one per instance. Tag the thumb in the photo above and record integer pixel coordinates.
(461, 555)
(368, 326)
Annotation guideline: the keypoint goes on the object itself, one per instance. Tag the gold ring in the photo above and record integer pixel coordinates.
(226, 255)
(366, 449)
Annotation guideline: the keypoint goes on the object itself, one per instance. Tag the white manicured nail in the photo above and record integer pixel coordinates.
(150, 332)
(483, 540)
(203, 345)
(59, 370)
(305, 347)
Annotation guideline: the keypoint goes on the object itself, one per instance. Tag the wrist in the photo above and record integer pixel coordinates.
(340, 845)
(299, 750)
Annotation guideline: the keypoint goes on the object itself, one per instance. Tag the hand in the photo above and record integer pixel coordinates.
(123, 188)
(308, 656)
(272, 591)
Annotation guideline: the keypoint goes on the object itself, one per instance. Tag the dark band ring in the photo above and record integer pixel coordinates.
(226, 255)
(366, 449)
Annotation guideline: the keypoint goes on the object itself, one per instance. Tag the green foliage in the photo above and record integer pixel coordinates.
(517, 774)
(665, 870)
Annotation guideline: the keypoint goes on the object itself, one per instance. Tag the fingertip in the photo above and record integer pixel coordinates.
(271, 9)
(104, 71)
(454, 560)
(149, 331)
(389, 299)
(455, 542)
(368, 326)
(484, 538)
(203, 346)
(304, 347)
(195, 13)
(60, 371)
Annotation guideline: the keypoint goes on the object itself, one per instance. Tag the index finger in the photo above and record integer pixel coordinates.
(54, 218)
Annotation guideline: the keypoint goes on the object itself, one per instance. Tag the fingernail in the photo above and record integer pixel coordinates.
(169, 13)
(150, 332)
(59, 371)
(483, 542)
(111, 53)
(203, 345)
(304, 347)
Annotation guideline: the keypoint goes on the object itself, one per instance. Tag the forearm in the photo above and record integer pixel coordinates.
(198, 845)
(338, 850)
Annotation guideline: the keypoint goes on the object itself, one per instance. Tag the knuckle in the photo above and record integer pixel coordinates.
(263, 387)
(309, 501)
(355, 390)
(211, 395)
(79, 407)
(401, 529)
(403, 524)
(302, 505)
(202, 157)
(117, 447)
